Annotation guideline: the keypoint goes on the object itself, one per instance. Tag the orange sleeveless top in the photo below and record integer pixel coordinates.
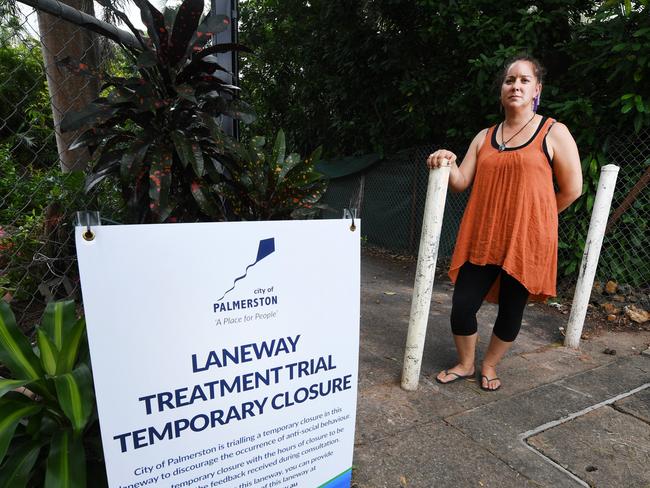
(511, 216)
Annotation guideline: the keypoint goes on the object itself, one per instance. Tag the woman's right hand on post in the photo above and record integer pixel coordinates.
(442, 157)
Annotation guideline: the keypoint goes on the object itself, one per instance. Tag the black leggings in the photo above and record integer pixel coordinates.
(472, 285)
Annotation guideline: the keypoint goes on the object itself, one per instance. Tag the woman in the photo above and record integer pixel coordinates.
(506, 250)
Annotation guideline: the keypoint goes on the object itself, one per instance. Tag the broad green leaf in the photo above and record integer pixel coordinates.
(638, 122)
(187, 92)
(315, 156)
(571, 268)
(290, 162)
(75, 393)
(58, 319)
(204, 200)
(77, 67)
(240, 110)
(183, 148)
(91, 115)
(579, 204)
(214, 24)
(640, 106)
(66, 463)
(160, 177)
(122, 95)
(49, 352)
(155, 23)
(169, 13)
(10, 385)
(211, 25)
(593, 168)
(258, 142)
(185, 24)
(15, 351)
(91, 137)
(146, 59)
(217, 170)
(98, 175)
(197, 159)
(213, 126)
(70, 349)
(132, 159)
(16, 471)
(279, 149)
(12, 411)
(641, 32)
(83, 355)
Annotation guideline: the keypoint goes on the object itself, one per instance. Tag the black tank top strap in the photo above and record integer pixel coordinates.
(544, 144)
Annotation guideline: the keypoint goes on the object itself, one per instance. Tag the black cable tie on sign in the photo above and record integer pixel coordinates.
(349, 214)
(88, 219)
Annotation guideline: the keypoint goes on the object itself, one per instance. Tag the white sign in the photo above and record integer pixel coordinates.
(224, 354)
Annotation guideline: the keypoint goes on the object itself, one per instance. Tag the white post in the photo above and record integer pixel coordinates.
(591, 254)
(434, 210)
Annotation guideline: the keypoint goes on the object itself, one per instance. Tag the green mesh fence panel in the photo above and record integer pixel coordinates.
(389, 197)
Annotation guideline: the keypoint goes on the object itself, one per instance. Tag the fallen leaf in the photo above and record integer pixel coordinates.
(611, 287)
(402, 480)
(637, 314)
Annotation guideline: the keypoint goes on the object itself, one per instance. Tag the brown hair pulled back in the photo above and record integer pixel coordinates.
(538, 69)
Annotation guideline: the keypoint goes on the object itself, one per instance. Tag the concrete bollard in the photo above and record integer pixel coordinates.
(434, 210)
(595, 235)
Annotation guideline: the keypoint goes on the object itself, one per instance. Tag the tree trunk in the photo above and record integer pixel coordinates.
(67, 90)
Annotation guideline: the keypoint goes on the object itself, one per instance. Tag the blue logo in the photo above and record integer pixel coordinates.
(265, 248)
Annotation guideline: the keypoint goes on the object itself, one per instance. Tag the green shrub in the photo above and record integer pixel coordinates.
(271, 185)
(49, 433)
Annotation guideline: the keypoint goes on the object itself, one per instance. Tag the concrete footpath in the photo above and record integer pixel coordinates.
(563, 418)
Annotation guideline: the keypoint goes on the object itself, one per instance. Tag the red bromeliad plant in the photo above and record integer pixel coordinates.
(159, 131)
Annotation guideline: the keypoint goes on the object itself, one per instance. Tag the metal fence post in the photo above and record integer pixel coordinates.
(228, 60)
(595, 235)
(434, 210)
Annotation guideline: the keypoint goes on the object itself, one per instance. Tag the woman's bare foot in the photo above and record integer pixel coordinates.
(458, 372)
(489, 379)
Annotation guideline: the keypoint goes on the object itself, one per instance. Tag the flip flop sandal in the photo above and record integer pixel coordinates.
(488, 383)
(457, 377)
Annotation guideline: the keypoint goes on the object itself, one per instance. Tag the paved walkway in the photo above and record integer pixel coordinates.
(563, 418)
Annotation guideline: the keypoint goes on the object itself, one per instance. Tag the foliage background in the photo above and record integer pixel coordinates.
(372, 76)
(380, 76)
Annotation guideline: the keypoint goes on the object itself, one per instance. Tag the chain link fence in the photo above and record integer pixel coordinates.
(625, 256)
(389, 197)
(38, 200)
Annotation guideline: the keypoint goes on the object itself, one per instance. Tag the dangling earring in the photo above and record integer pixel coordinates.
(536, 103)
